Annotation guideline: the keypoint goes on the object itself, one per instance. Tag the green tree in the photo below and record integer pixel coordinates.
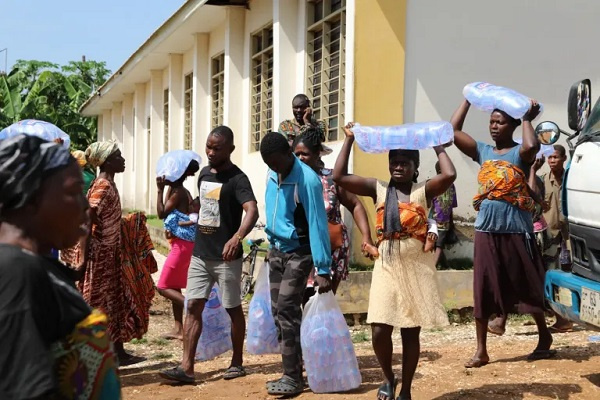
(46, 91)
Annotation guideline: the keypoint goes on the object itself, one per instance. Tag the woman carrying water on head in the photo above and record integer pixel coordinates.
(508, 269)
(182, 235)
(404, 291)
(308, 148)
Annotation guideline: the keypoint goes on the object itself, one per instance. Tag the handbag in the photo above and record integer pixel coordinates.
(336, 235)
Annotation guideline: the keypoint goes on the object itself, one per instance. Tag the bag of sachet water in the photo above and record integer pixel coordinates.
(173, 164)
(415, 136)
(216, 328)
(327, 349)
(487, 97)
(261, 336)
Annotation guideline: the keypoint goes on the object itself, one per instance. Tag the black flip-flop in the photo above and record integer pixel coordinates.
(177, 374)
(234, 372)
(131, 360)
(388, 390)
(285, 387)
(541, 355)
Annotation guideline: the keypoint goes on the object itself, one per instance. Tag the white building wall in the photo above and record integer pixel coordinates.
(202, 102)
(260, 15)
(233, 106)
(156, 128)
(520, 44)
(138, 165)
(175, 101)
(117, 134)
(128, 151)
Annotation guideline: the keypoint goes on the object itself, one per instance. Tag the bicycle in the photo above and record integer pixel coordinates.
(249, 262)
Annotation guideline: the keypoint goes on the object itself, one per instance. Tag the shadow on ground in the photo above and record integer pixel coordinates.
(514, 391)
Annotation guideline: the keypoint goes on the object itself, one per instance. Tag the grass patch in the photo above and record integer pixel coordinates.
(360, 267)
(139, 341)
(360, 337)
(160, 342)
(520, 318)
(153, 220)
(161, 249)
(246, 246)
(161, 356)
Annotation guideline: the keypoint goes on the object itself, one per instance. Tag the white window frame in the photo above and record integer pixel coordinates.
(217, 89)
(188, 110)
(325, 81)
(166, 120)
(261, 92)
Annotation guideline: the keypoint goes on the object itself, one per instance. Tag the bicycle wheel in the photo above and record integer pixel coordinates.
(245, 285)
(247, 274)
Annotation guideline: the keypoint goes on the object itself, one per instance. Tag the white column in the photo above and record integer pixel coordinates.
(100, 131)
(117, 134)
(106, 125)
(175, 101)
(285, 31)
(233, 107)
(128, 151)
(156, 129)
(201, 101)
(140, 157)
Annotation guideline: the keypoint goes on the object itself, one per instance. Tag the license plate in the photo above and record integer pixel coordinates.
(590, 306)
(564, 297)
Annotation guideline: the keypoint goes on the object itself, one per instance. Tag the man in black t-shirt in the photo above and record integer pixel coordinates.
(225, 194)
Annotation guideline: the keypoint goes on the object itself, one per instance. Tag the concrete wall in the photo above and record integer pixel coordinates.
(455, 288)
(379, 57)
(537, 47)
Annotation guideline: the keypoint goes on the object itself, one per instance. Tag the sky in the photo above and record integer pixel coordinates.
(60, 31)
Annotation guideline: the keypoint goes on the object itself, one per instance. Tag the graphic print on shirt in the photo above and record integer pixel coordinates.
(210, 214)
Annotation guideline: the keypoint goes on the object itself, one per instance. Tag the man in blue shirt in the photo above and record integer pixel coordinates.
(299, 236)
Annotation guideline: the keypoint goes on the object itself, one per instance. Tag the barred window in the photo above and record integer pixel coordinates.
(261, 103)
(326, 37)
(217, 89)
(188, 95)
(166, 120)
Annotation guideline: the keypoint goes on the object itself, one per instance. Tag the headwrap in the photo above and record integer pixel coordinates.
(98, 152)
(25, 161)
(80, 157)
(391, 221)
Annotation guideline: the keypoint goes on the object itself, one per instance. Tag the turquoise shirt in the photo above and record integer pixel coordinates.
(498, 216)
(296, 215)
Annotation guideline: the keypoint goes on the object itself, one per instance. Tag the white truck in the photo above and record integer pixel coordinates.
(576, 294)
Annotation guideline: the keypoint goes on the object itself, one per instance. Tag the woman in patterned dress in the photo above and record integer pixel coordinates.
(308, 148)
(404, 291)
(102, 284)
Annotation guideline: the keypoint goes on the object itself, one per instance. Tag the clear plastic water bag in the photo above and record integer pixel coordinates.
(261, 336)
(416, 136)
(173, 164)
(487, 97)
(327, 349)
(216, 328)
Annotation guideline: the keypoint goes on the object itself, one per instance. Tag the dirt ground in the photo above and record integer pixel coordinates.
(573, 374)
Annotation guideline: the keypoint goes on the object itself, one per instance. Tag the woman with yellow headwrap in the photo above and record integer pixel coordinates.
(88, 176)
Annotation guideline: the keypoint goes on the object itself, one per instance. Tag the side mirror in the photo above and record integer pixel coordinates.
(547, 132)
(580, 104)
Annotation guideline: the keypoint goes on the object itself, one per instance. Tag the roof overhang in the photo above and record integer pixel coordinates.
(174, 36)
